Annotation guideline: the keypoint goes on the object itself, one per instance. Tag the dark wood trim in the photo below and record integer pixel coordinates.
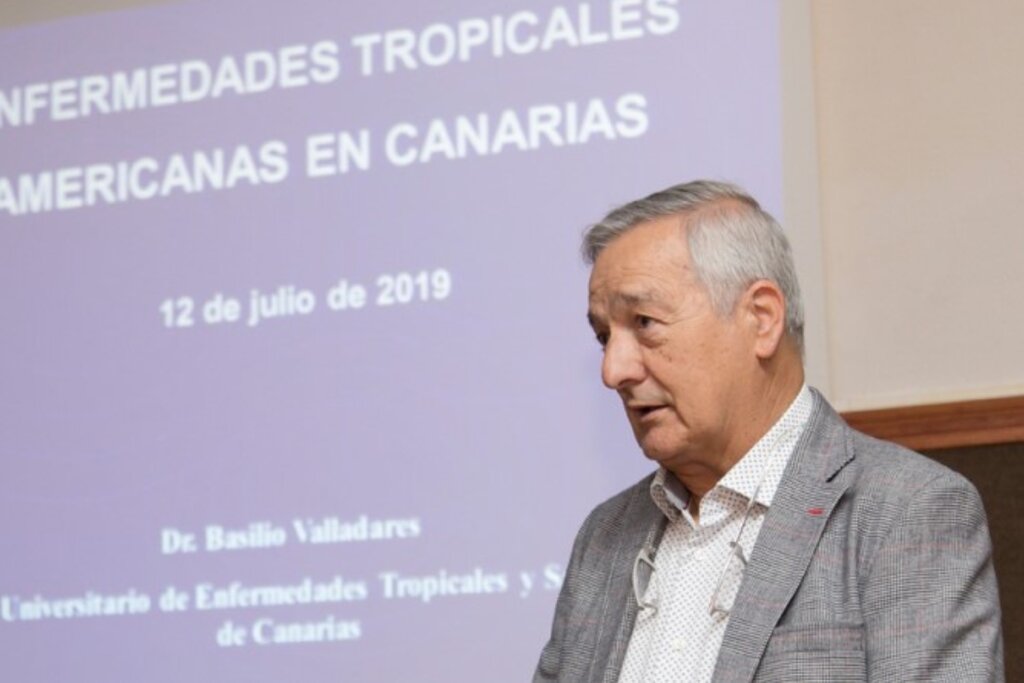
(945, 425)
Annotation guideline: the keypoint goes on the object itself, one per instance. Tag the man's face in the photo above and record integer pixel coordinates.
(677, 365)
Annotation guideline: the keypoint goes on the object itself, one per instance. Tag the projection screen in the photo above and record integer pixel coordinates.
(296, 379)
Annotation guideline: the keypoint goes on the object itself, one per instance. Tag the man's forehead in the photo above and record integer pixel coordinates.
(641, 278)
(605, 303)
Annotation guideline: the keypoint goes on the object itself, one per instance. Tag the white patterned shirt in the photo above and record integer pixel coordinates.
(677, 638)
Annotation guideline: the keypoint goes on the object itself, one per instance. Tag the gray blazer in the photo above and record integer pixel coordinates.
(873, 563)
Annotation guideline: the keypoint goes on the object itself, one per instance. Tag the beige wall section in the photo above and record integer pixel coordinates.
(802, 218)
(921, 142)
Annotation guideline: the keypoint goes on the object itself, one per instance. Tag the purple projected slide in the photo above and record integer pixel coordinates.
(296, 381)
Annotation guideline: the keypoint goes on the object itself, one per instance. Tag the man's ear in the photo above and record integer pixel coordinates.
(765, 308)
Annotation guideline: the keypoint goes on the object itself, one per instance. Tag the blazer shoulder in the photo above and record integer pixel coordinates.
(883, 459)
(627, 497)
(895, 486)
(874, 461)
(628, 510)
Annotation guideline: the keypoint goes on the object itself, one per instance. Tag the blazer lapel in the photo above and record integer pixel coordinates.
(789, 535)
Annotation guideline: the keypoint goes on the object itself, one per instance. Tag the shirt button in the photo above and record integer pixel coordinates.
(679, 644)
(698, 555)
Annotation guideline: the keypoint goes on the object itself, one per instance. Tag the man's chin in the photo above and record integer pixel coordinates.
(659, 451)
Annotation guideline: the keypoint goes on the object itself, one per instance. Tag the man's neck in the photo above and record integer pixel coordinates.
(699, 477)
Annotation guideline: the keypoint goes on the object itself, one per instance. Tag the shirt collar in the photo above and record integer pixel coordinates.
(669, 494)
(763, 464)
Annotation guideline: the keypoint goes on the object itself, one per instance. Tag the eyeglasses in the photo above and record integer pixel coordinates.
(735, 565)
(736, 562)
(644, 564)
(644, 572)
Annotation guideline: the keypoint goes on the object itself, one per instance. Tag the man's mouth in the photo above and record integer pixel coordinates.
(645, 411)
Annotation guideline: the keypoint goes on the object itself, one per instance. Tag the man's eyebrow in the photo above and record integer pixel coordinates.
(634, 298)
(627, 299)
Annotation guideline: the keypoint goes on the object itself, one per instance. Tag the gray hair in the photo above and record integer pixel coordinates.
(733, 242)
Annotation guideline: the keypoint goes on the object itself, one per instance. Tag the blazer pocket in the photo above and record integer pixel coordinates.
(814, 652)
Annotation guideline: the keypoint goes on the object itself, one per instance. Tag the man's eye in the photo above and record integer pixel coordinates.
(643, 321)
(602, 338)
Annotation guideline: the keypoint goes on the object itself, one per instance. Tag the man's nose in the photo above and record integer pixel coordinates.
(622, 365)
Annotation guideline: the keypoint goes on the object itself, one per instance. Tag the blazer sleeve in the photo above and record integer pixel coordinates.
(930, 601)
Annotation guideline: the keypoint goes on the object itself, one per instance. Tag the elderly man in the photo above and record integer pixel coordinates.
(773, 543)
